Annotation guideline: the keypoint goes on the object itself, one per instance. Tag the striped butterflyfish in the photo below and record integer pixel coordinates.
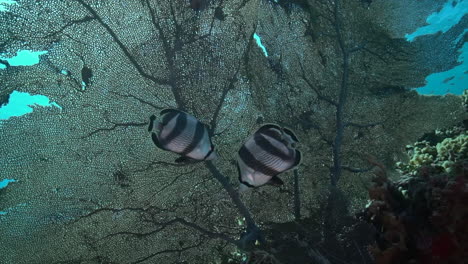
(267, 153)
(183, 134)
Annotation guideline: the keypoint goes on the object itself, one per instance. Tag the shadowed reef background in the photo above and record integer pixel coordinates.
(91, 187)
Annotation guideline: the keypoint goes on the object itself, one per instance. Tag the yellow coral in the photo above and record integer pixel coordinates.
(444, 154)
(453, 148)
(423, 154)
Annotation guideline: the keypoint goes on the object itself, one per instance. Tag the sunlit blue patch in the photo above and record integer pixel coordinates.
(451, 13)
(259, 43)
(4, 3)
(453, 81)
(455, 42)
(24, 58)
(4, 183)
(21, 103)
(65, 72)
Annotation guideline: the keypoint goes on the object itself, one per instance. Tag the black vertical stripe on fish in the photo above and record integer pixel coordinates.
(151, 123)
(290, 133)
(276, 134)
(211, 149)
(180, 125)
(267, 146)
(168, 115)
(197, 138)
(208, 153)
(268, 127)
(298, 158)
(275, 181)
(166, 110)
(155, 139)
(240, 177)
(255, 164)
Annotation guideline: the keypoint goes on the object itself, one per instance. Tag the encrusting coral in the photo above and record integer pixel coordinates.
(261, 257)
(423, 217)
(439, 149)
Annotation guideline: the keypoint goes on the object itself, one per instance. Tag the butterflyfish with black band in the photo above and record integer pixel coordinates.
(182, 133)
(270, 151)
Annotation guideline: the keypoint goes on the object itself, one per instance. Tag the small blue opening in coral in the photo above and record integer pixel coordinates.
(259, 43)
(4, 3)
(23, 58)
(21, 103)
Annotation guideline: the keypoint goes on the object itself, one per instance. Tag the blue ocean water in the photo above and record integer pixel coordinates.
(258, 40)
(455, 80)
(5, 3)
(22, 58)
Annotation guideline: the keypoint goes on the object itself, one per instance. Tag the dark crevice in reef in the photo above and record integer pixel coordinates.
(4, 98)
(219, 14)
(199, 5)
(5, 63)
(86, 75)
